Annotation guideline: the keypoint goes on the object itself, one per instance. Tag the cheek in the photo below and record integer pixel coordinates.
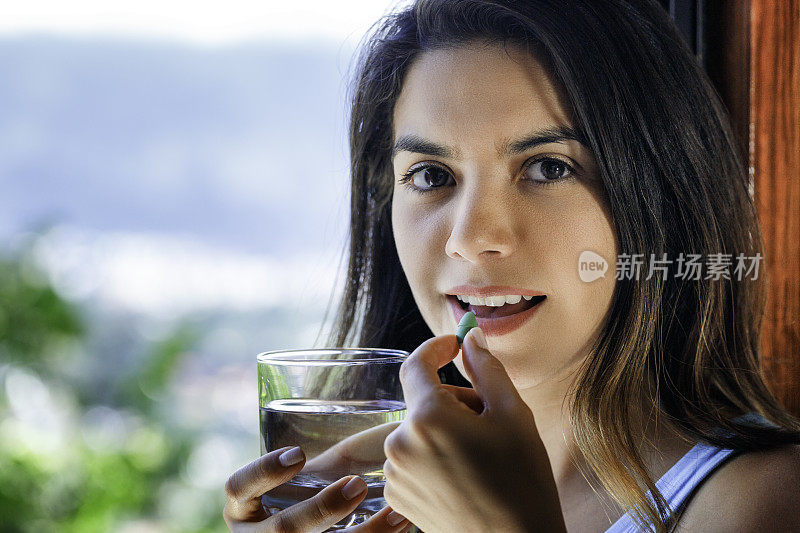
(588, 302)
(420, 252)
(417, 236)
(578, 309)
(585, 304)
(404, 227)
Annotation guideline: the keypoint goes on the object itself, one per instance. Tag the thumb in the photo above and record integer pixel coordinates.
(486, 372)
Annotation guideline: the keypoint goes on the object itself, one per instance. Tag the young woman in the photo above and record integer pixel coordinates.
(507, 148)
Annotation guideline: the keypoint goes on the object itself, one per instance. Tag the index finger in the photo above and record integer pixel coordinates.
(418, 373)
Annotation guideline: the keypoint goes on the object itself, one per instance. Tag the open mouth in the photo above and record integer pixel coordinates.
(487, 311)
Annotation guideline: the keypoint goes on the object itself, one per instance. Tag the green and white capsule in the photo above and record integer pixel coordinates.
(468, 321)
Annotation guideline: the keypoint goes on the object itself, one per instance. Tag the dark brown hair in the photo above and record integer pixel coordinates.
(675, 184)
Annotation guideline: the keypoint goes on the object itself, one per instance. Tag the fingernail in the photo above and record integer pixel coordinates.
(394, 518)
(353, 488)
(291, 457)
(480, 338)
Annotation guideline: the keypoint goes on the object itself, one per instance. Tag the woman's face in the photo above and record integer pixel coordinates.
(493, 212)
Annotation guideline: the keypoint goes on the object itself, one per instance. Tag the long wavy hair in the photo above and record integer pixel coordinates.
(675, 183)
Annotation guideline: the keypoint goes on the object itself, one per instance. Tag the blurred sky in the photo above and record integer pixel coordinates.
(212, 23)
(190, 154)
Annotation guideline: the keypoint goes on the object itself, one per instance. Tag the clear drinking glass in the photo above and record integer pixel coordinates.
(338, 405)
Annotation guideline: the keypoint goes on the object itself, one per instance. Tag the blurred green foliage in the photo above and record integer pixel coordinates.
(64, 481)
(32, 315)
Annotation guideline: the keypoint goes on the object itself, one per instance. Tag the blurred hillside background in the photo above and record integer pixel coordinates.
(173, 200)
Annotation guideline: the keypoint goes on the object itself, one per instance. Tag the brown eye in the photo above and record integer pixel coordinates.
(425, 178)
(548, 169)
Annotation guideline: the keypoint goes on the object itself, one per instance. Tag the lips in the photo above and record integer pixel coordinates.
(495, 324)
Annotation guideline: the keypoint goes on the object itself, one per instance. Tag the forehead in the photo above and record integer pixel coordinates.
(477, 90)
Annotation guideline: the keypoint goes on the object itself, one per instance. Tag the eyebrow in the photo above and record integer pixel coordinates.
(415, 144)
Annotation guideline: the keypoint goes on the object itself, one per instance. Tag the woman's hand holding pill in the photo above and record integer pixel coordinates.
(468, 459)
(244, 512)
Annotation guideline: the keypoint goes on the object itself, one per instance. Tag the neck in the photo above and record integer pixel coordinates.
(546, 401)
(660, 448)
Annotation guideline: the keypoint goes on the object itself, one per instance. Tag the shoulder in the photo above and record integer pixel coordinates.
(753, 492)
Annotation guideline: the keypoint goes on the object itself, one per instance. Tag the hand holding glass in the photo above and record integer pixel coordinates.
(338, 405)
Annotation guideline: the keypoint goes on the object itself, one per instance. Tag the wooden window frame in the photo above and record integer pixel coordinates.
(750, 50)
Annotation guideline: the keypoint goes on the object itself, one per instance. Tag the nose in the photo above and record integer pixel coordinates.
(483, 227)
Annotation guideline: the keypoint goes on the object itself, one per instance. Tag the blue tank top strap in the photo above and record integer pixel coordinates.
(680, 481)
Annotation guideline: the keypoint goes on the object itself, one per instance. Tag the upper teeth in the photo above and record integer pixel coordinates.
(494, 301)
